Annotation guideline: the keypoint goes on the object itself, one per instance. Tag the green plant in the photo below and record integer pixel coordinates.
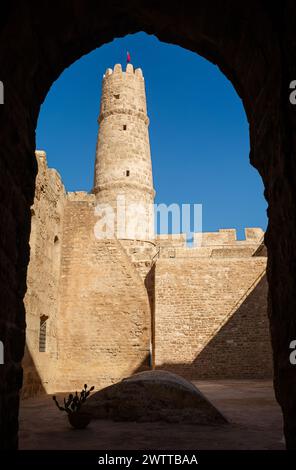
(74, 401)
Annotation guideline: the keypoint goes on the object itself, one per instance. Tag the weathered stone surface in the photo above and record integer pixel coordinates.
(206, 317)
(95, 301)
(104, 324)
(123, 162)
(211, 317)
(253, 43)
(43, 278)
(154, 396)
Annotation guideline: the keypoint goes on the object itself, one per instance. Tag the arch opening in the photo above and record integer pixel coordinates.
(221, 249)
(256, 77)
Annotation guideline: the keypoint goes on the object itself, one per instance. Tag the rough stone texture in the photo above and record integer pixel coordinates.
(95, 301)
(43, 279)
(105, 318)
(207, 310)
(211, 317)
(121, 305)
(253, 43)
(123, 162)
(211, 244)
(154, 396)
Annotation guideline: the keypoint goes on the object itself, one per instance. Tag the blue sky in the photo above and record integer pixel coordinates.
(198, 130)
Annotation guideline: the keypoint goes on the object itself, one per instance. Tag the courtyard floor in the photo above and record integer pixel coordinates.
(254, 416)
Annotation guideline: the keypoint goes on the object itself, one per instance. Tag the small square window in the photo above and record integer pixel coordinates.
(127, 172)
(117, 97)
(172, 254)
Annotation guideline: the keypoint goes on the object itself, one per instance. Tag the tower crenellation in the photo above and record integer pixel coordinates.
(123, 92)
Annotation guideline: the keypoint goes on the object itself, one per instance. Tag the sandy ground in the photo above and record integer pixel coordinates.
(254, 417)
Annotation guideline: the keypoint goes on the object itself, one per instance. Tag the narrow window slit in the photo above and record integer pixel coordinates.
(42, 333)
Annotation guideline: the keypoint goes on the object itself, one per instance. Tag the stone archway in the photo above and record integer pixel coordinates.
(253, 45)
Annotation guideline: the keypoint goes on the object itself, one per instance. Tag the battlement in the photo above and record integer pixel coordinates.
(224, 236)
(253, 235)
(128, 71)
(123, 93)
(222, 243)
(171, 240)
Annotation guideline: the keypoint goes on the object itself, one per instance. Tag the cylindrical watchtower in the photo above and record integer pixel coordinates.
(123, 170)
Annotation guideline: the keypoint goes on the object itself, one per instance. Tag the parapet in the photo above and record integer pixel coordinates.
(171, 240)
(222, 237)
(228, 237)
(129, 71)
(254, 234)
(220, 244)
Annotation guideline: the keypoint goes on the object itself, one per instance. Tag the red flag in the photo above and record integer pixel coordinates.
(128, 57)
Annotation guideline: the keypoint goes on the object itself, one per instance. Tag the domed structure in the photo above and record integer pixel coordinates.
(154, 396)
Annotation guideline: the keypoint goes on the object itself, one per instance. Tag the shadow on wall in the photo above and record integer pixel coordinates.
(241, 349)
(144, 366)
(32, 384)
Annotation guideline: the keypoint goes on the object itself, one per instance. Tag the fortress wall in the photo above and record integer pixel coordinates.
(222, 244)
(227, 236)
(211, 317)
(171, 240)
(226, 251)
(96, 295)
(43, 278)
(105, 321)
(223, 236)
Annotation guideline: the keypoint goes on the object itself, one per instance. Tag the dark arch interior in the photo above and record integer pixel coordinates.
(254, 46)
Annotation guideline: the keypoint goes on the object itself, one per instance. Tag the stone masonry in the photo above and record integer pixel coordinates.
(101, 309)
(252, 43)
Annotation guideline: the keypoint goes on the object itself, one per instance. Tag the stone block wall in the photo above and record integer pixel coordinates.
(226, 33)
(104, 322)
(42, 297)
(91, 296)
(108, 303)
(211, 317)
